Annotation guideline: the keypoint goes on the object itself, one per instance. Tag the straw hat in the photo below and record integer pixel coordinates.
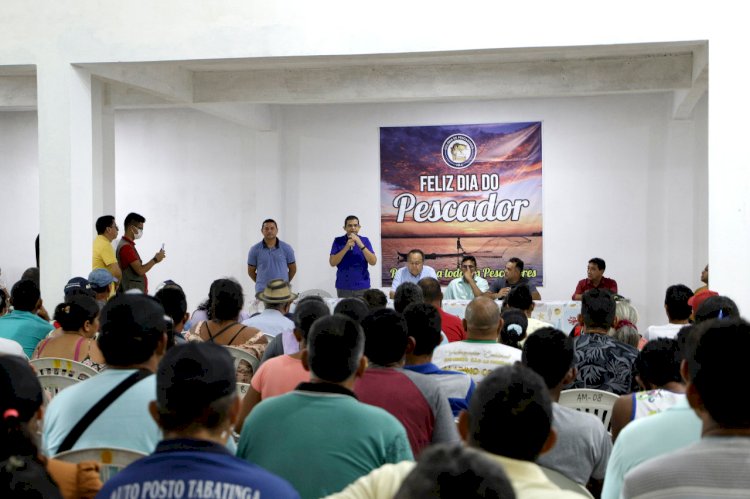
(277, 291)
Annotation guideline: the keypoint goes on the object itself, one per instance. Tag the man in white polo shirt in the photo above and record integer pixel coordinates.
(414, 271)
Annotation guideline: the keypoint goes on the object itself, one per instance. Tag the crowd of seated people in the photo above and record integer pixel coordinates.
(368, 401)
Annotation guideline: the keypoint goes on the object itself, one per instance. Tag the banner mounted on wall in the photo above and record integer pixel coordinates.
(460, 190)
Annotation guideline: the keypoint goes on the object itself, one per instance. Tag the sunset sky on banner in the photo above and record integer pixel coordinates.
(412, 161)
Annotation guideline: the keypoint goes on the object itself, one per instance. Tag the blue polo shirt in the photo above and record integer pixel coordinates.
(195, 468)
(352, 273)
(25, 328)
(270, 263)
(458, 387)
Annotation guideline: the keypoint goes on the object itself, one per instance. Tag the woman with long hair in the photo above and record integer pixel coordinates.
(222, 328)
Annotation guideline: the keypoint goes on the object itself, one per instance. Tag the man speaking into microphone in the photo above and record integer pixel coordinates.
(351, 254)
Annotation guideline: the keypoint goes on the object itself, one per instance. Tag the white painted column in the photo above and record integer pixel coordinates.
(729, 172)
(103, 145)
(65, 175)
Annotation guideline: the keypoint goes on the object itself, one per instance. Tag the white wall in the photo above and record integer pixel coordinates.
(19, 194)
(192, 177)
(619, 176)
(621, 181)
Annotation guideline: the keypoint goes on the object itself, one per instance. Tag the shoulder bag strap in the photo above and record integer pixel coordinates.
(99, 407)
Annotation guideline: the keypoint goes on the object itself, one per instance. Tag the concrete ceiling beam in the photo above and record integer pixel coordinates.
(395, 83)
(685, 100)
(165, 81)
(17, 93)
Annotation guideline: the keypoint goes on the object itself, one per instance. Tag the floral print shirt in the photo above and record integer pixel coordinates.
(605, 364)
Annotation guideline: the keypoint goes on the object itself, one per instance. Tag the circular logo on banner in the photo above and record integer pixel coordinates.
(459, 151)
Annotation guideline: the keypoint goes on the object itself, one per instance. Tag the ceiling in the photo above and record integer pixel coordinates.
(237, 88)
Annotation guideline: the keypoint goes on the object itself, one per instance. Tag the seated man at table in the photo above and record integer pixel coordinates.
(414, 271)
(469, 285)
(595, 279)
(512, 279)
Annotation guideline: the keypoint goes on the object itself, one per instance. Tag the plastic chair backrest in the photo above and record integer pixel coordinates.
(565, 483)
(245, 363)
(110, 459)
(597, 402)
(316, 292)
(56, 374)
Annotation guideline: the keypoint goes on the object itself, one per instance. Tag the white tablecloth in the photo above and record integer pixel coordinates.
(561, 314)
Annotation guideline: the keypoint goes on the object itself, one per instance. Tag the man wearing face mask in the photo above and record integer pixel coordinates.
(133, 268)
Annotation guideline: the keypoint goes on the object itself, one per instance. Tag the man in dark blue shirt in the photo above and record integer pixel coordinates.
(351, 254)
(196, 406)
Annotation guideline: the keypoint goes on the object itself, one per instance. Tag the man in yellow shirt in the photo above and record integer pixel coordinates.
(103, 252)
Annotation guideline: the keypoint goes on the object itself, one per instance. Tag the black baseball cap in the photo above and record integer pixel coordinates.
(20, 391)
(193, 375)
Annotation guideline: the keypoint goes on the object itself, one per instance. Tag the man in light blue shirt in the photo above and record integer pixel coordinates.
(133, 339)
(271, 258)
(23, 325)
(277, 298)
(468, 286)
(414, 271)
(646, 438)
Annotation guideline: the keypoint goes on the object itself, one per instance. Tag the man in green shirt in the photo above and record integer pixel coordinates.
(342, 438)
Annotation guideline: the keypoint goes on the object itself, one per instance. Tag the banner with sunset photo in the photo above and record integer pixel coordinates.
(459, 190)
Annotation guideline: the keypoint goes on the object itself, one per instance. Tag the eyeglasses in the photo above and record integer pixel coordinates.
(468, 266)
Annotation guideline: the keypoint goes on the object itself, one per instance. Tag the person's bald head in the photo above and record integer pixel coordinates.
(482, 318)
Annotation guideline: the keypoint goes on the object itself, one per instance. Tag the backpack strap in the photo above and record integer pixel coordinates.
(93, 413)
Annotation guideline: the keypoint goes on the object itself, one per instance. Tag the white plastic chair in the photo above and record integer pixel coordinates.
(314, 292)
(242, 389)
(565, 483)
(110, 459)
(241, 356)
(57, 374)
(597, 402)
